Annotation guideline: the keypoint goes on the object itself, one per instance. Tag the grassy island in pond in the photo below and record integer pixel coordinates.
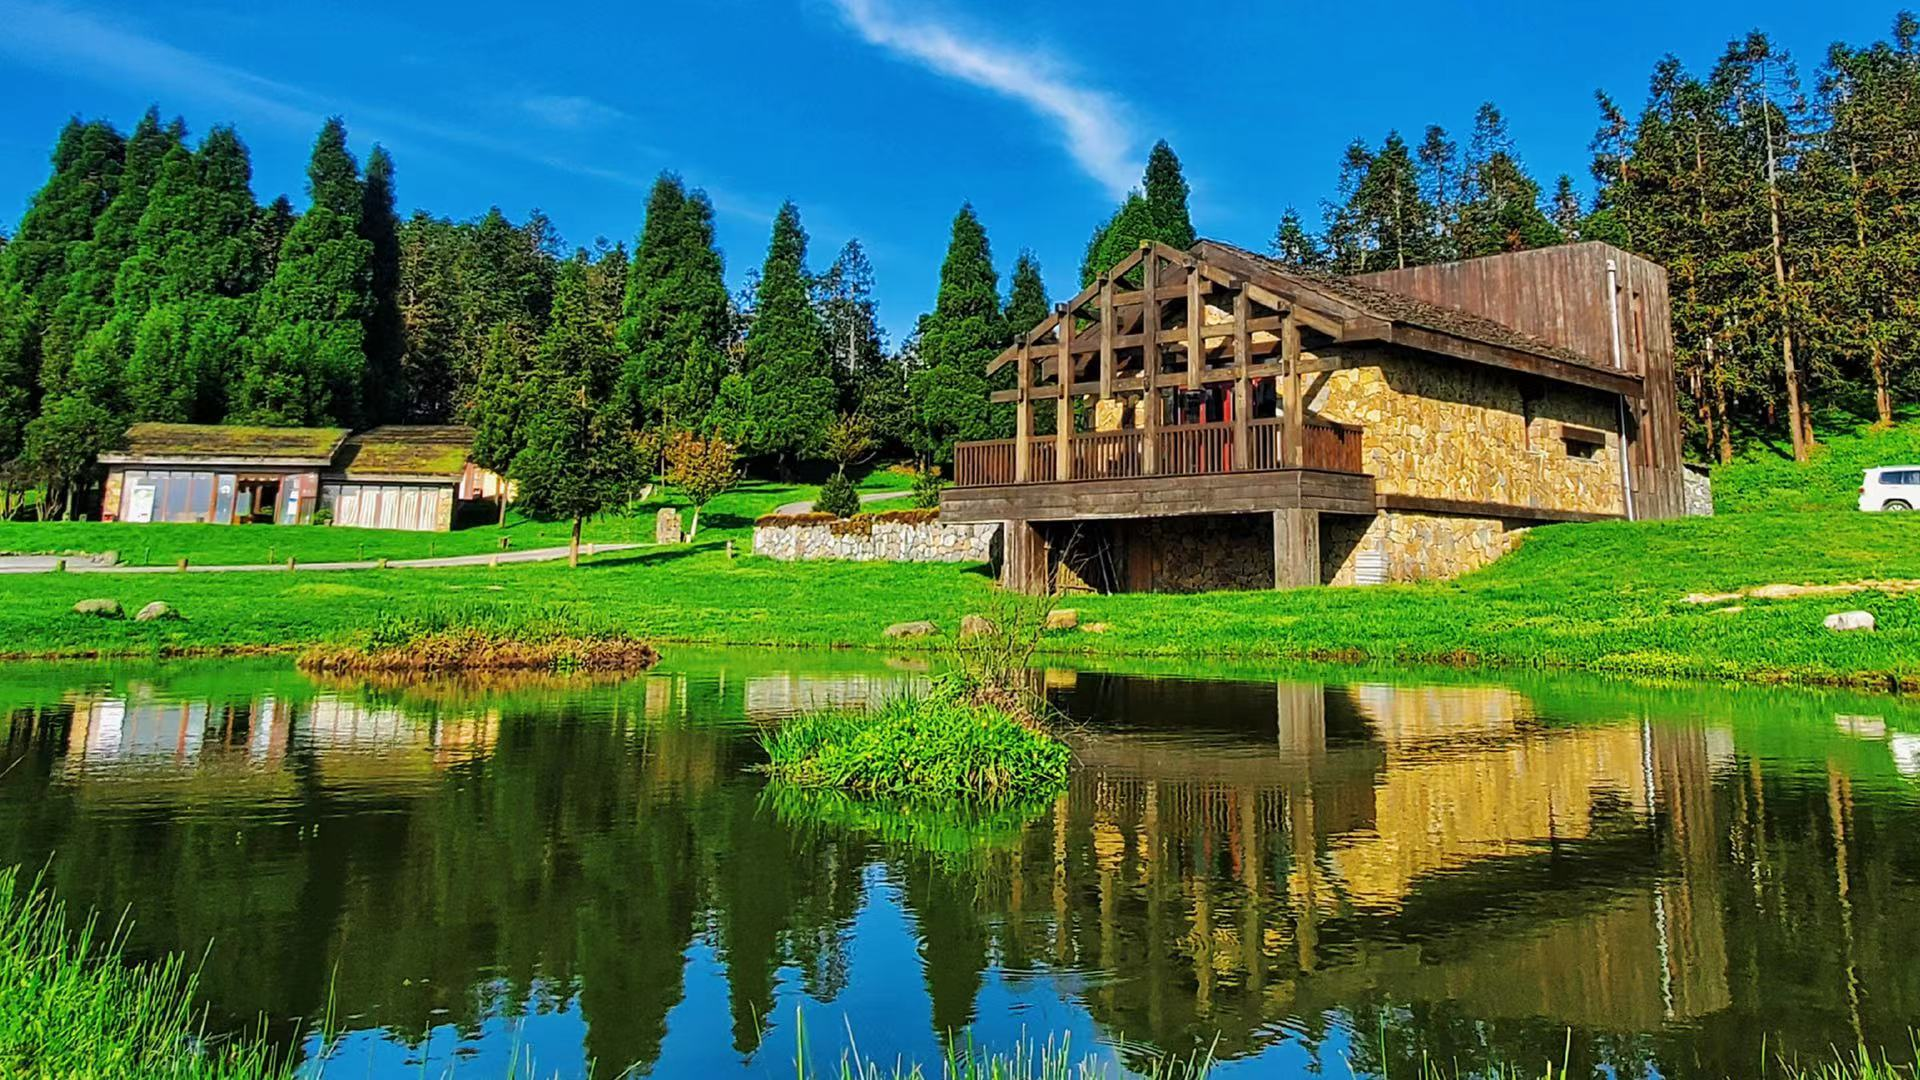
(555, 642)
(940, 745)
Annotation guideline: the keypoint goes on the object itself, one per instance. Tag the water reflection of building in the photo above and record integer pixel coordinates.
(1439, 843)
(352, 740)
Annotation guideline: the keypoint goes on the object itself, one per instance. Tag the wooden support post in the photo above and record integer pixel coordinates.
(1023, 417)
(1023, 558)
(1150, 352)
(1294, 426)
(1196, 320)
(1063, 415)
(1242, 386)
(1106, 338)
(1296, 548)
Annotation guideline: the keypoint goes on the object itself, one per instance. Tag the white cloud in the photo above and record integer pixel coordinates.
(63, 39)
(1092, 123)
(569, 112)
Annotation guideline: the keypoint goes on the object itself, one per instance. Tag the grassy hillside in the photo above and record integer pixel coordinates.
(1767, 478)
(1603, 597)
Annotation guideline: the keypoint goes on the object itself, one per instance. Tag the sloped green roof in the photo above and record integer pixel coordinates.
(229, 442)
(422, 450)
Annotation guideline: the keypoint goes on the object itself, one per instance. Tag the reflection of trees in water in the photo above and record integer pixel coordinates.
(1436, 863)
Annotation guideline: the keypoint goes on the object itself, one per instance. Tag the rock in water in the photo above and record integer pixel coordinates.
(1850, 620)
(101, 608)
(918, 629)
(1065, 618)
(977, 626)
(157, 610)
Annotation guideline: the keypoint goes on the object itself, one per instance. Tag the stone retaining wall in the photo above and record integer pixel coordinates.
(907, 536)
(1398, 546)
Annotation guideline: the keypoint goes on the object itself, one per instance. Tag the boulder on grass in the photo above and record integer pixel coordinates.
(156, 611)
(917, 629)
(977, 626)
(1065, 618)
(100, 608)
(666, 526)
(1850, 620)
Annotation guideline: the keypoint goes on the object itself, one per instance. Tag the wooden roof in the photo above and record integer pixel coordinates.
(1372, 313)
(408, 451)
(152, 443)
(1344, 309)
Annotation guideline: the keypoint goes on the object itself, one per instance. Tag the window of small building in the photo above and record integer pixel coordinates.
(1582, 443)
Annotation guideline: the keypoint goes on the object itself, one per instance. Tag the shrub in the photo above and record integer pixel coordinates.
(838, 497)
(937, 745)
(927, 486)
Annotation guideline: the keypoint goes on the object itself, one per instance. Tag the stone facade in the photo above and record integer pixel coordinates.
(872, 538)
(1400, 546)
(1455, 431)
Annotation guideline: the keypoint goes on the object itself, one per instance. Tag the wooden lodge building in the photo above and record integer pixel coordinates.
(409, 477)
(1234, 422)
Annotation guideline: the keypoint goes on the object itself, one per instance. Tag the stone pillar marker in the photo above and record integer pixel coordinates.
(666, 526)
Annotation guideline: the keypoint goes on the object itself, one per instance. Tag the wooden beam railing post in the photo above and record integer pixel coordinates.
(1063, 412)
(1294, 419)
(1106, 338)
(1023, 418)
(1150, 377)
(1242, 386)
(1196, 321)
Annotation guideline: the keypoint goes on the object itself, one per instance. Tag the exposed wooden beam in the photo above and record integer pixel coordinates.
(1106, 338)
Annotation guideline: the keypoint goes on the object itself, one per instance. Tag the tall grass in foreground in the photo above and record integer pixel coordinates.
(71, 1006)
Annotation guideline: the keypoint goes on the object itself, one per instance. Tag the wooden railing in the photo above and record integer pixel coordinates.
(1180, 450)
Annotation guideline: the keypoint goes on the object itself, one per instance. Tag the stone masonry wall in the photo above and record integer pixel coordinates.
(1410, 547)
(868, 540)
(1440, 430)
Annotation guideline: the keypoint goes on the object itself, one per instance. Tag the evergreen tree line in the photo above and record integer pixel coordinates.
(1787, 216)
(144, 282)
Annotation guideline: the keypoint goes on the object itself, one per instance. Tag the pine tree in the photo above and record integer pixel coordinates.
(1118, 237)
(1499, 207)
(387, 393)
(1167, 193)
(955, 342)
(1384, 222)
(872, 384)
(1439, 172)
(1027, 303)
(182, 301)
(1294, 245)
(309, 364)
(1161, 214)
(676, 320)
(74, 357)
(87, 160)
(579, 457)
(788, 391)
(1567, 212)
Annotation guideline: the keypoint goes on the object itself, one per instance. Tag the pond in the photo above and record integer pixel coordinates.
(1300, 869)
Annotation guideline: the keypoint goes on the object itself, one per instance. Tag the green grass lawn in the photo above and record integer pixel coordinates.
(1603, 597)
(1766, 478)
(729, 516)
(1606, 596)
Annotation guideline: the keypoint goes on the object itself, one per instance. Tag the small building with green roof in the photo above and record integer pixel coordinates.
(399, 476)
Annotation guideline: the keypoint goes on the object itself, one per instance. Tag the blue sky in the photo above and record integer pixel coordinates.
(878, 117)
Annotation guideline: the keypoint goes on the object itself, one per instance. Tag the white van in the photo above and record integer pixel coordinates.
(1896, 487)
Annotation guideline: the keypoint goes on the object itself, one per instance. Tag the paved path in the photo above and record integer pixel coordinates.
(44, 564)
(869, 497)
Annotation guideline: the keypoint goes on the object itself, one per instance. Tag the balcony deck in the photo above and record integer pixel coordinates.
(1191, 469)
